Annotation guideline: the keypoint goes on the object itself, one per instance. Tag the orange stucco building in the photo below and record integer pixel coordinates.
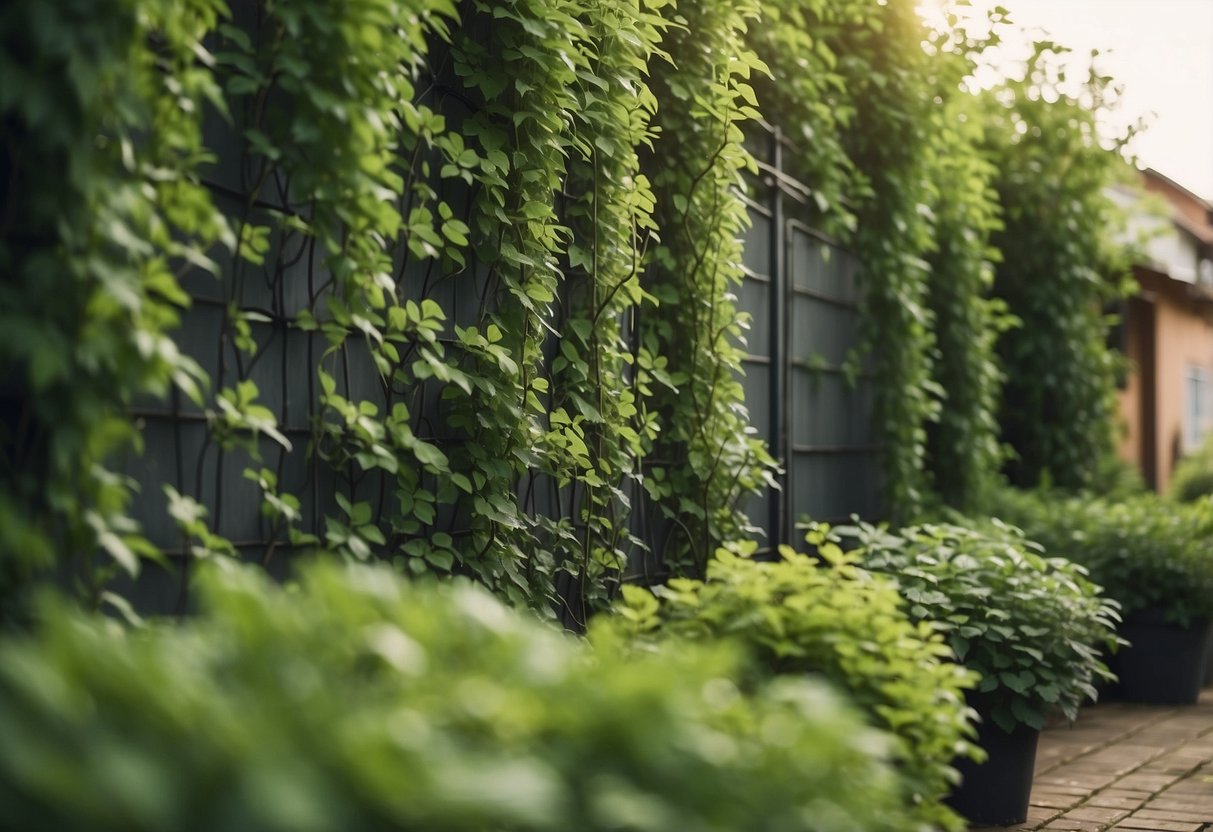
(1166, 404)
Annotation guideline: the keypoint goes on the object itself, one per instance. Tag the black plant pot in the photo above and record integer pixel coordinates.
(998, 791)
(1165, 663)
(1208, 680)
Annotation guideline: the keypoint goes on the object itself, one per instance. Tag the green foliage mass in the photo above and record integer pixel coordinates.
(884, 66)
(1146, 552)
(830, 618)
(1061, 264)
(356, 701)
(100, 110)
(320, 142)
(706, 455)
(806, 96)
(561, 221)
(1192, 478)
(502, 239)
(1033, 627)
(871, 101)
(388, 154)
(963, 454)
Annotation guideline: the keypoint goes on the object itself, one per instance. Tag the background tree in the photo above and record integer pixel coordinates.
(1062, 262)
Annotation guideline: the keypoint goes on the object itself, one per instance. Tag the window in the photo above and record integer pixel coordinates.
(1197, 414)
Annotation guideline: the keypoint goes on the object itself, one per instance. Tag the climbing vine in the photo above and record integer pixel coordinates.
(101, 212)
(564, 228)
(885, 67)
(1061, 262)
(497, 435)
(452, 283)
(609, 207)
(858, 93)
(329, 220)
(706, 455)
(963, 451)
(805, 93)
(436, 237)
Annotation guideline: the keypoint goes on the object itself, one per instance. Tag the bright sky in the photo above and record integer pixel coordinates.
(1161, 51)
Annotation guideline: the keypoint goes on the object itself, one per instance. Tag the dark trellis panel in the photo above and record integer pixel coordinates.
(180, 449)
(800, 290)
(808, 389)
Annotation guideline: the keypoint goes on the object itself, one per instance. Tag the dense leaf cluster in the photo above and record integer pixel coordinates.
(830, 618)
(100, 113)
(884, 139)
(1063, 261)
(706, 455)
(497, 245)
(963, 452)
(357, 701)
(1032, 626)
(1148, 553)
(457, 240)
(1192, 478)
(938, 191)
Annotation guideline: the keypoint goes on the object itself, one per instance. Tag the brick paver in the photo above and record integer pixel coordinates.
(1126, 768)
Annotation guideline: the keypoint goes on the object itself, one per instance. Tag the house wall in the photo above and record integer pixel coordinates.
(1183, 340)
(1138, 325)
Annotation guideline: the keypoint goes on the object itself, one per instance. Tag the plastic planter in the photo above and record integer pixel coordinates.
(997, 792)
(1164, 664)
(1208, 662)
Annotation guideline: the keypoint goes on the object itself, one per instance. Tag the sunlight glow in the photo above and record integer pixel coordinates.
(1160, 52)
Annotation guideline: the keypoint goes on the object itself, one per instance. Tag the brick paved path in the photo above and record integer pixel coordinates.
(1134, 768)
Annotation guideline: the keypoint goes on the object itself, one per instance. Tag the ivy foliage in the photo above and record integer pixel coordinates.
(963, 453)
(102, 208)
(806, 95)
(871, 101)
(441, 212)
(318, 147)
(1062, 263)
(884, 65)
(706, 456)
(497, 246)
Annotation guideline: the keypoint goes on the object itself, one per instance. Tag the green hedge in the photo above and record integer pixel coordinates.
(356, 701)
(1145, 551)
(1193, 476)
(832, 620)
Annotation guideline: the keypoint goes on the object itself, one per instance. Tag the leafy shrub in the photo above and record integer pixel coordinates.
(1193, 476)
(1116, 479)
(1146, 552)
(1031, 626)
(830, 618)
(358, 702)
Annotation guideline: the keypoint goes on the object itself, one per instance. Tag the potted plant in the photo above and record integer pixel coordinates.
(827, 618)
(1155, 557)
(1031, 626)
